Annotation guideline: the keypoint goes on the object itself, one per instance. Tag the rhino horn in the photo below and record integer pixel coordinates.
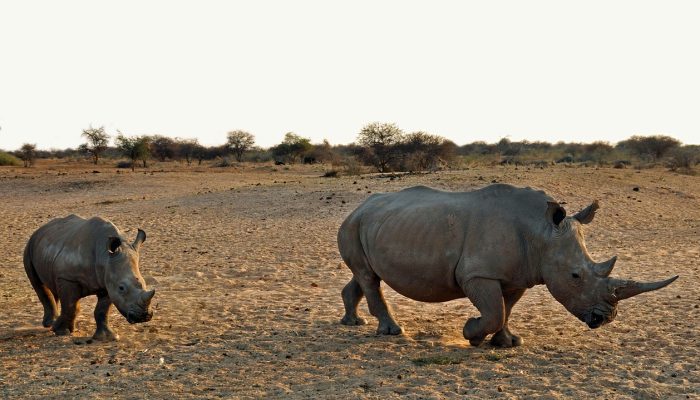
(604, 268)
(626, 289)
(140, 238)
(147, 296)
(586, 215)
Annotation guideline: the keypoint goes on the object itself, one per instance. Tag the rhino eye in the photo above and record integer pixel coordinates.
(122, 288)
(575, 275)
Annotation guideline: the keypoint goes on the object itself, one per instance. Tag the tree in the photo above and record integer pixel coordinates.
(163, 147)
(187, 149)
(423, 151)
(380, 140)
(292, 149)
(653, 147)
(135, 148)
(239, 142)
(97, 140)
(28, 154)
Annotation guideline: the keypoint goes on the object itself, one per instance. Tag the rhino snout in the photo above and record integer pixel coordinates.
(595, 320)
(135, 317)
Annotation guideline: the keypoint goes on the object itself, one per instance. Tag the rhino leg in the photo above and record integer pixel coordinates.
(352, 294)
(504, 337)
(487, 297)
(103, 332)
(369, 285)
(69, 294)
(43, 293)
(377, 305)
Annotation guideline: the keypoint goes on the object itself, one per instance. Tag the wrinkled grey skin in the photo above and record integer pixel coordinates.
(72, 257)
(488, 245)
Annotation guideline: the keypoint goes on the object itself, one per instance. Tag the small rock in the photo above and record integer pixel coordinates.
(500, 389)
(314, 284)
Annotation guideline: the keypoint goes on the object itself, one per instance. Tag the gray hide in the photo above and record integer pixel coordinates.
(72, 257)
(489, 245)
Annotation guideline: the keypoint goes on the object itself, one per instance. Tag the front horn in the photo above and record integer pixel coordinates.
(604, 268)
(626, 289)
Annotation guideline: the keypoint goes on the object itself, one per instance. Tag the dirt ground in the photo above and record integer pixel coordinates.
(248, 278)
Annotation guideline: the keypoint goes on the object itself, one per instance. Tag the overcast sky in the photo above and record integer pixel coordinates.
(535, 70)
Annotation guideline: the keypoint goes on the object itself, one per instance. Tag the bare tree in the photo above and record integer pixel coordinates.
(97, 140)
(380, 140)
(239, 142)
(28, 154)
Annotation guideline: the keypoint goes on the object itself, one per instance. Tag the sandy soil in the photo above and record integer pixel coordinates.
(248, 280)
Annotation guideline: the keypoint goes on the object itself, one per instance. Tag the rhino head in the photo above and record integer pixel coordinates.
(123, 280)
(582, 285)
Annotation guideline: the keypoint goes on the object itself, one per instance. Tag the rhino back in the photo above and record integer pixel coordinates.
(420, 240)
(66, 248)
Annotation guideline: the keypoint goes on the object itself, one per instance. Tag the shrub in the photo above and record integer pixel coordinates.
(223, 162)
(124, 164)
(651, 148)
(292, 149)
(683, 159)
(9, 159)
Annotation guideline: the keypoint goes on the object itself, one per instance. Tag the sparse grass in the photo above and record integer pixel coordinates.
(7, 159)
(496, 356)
(436, 360)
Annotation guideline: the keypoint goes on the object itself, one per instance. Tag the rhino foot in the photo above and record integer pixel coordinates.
(47, 321)
(61, 328)
(471, 332)
(389, 329)
(353, 320)
(505, 338)
(105, 335)
(64, 331)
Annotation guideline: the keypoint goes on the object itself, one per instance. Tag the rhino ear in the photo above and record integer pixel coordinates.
(113, 243)
(140, 238)
(586, 215)
(555, 212)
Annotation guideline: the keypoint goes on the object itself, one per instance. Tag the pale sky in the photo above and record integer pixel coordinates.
(535, 70)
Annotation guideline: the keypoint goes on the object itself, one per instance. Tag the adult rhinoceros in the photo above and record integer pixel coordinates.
(72, 257)
(489, 245)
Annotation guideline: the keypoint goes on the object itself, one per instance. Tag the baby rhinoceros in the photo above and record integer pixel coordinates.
(71, 258)
(488, 245)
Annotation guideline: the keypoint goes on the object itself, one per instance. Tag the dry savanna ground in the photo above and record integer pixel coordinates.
(248, 280)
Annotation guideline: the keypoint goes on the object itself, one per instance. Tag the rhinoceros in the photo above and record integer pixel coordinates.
(70, 258)
(488, 245)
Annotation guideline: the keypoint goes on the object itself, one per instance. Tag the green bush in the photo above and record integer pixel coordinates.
(9, 159)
